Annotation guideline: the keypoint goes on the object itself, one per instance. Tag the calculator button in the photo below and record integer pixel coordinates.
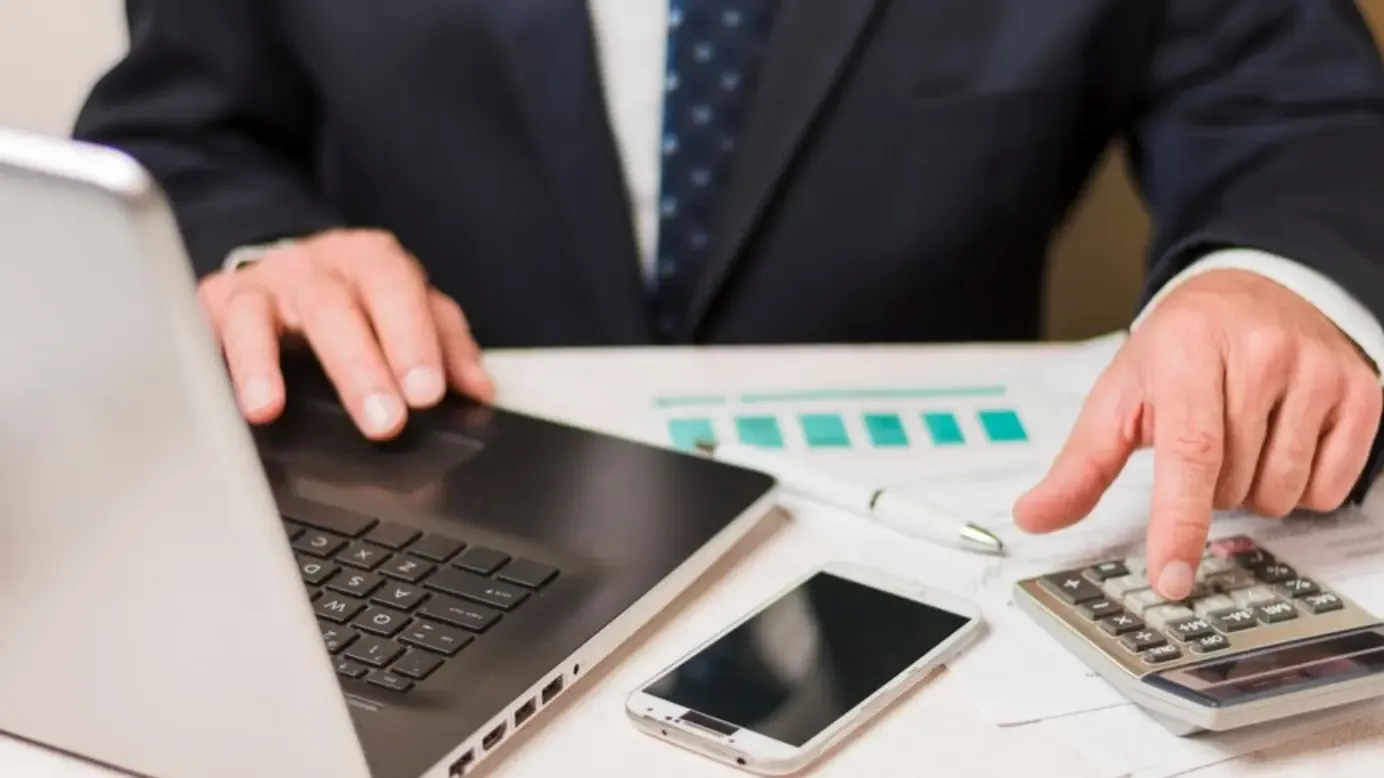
(1136, 564)
(1210, 643)
(1161, 654)
(1209, 605)
(1297, 588)
(1117, 588)
(1323, 602)
(1227, 548)
(1230, 580)
(1142, 600)
(1100, 609)
(1121, 623)
(1254, 559)
(1107, 570)
(1275, 573)
(1232, 620)
(1190, 629)
(1142, 640)
(1255, 595)
(1275, 612)
(1163, 615)
(1213, 566)
(1072, 587)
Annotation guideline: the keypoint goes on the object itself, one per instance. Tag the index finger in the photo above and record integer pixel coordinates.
(1189, 446)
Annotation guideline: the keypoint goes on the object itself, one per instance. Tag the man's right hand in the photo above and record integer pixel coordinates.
(385, 338)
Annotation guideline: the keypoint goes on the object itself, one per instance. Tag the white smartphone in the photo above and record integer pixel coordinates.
(777, 689)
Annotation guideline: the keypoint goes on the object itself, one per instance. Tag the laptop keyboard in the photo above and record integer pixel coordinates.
(394, 604)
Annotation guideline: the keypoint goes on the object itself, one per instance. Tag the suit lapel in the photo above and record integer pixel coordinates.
(548, 48)
(809, 46)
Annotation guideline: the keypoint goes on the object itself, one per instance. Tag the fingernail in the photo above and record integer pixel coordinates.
(381, 412)
(1175, 582)
(255, 395)
(423, 385)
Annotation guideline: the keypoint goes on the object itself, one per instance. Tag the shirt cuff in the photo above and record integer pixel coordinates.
(1348, 314)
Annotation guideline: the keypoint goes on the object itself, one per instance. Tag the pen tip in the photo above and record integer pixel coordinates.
(983, 539)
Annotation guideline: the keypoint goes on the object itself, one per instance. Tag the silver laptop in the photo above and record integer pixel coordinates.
(182, 596)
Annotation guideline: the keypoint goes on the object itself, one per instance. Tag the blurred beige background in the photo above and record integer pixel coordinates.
(52, 50)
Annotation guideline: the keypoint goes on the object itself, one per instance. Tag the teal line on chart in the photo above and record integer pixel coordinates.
(886, 430)
(825, 430)
(1003, 426)
(859, 393)
(759, 431)
(943, 429)
(686, 433)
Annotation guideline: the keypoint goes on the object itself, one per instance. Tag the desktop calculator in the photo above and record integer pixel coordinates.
(1257, 640)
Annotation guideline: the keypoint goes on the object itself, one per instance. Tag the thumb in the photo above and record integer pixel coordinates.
(1101, 442)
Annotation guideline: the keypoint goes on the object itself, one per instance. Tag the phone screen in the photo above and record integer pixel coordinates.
(806, 660)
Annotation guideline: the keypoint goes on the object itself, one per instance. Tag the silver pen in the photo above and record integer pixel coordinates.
(885, 507)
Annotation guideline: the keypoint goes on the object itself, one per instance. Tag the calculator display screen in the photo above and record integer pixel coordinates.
(806, 660)
(1280, 670)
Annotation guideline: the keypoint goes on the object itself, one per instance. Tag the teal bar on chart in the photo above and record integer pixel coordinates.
(1003, 426)
(760, 431)
(687, 433)
(825, 430)
(886, 430)
(943, 428)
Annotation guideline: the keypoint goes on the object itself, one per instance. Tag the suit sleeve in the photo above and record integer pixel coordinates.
(1259, 124)
(211, 103)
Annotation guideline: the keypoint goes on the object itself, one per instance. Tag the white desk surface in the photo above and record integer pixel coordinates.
(933, 732)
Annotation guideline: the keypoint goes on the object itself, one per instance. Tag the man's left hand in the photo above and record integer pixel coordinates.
(1250, 398)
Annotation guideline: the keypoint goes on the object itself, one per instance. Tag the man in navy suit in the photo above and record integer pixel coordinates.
(405, 183)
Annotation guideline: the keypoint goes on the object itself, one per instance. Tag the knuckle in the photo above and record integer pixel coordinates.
(1320, 374)
(1197, 448)
(1266, 349)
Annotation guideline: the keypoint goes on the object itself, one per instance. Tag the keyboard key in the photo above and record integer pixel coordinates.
(478, 559)
(1213, 566)
(436, 547)
(1142, 640)
(356, 584)
(1121, 623)
(1213, 604)
(1275, 612)
(1162, 654)
(470, 586)
(1251, 560)
(435, 637)
(1160, 617)
(1297, 588)
(1117, 588)
(1210, 643)
(316, 571)
(331, 519)
(458, 613)
(1190, 629)
(417, 665)
(404, 597)
(336, 638)
(1142, 600)
(1275, 573)
(348, 669)
(408, 569)
(1072, 587)
(1255, 595)
(1230, 581)
(1096, 610)
(392, 536)
(374, 651)
(527, 573)
(1232, 620)
(381, 621)
(1227, 548)
(294, 531)
(1107, 570)
(319, 544)
(364, 556)
(338, 608)
(1322, 602)
(387, 680)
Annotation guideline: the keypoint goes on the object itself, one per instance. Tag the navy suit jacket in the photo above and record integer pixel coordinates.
(905, 166)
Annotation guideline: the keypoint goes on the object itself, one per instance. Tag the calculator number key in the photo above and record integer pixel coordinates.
(1275, 612)
(1072, 587)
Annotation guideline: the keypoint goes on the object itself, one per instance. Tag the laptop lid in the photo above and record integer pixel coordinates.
(151, 615)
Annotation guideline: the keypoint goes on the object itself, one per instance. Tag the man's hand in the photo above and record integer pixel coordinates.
(385, 338)
(1249, 396)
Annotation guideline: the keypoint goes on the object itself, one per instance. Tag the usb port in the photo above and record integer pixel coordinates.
(494, 737)
(525, 712)
(463, 764)
(552, 690)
